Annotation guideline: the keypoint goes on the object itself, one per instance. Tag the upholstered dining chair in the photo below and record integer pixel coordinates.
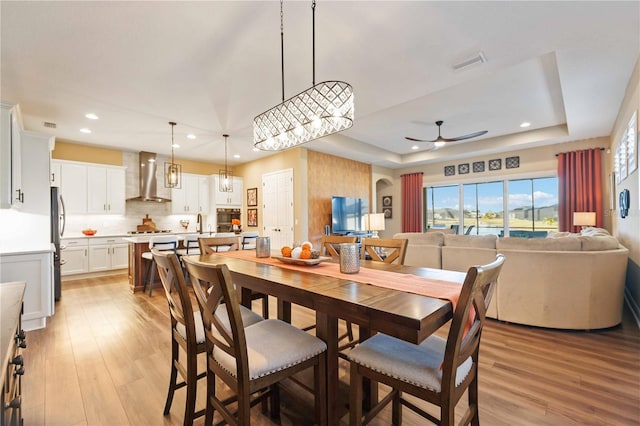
(388, 250)
(252, 360)
(159, 242)
(210, 245)
(438, 370)
(187, 332)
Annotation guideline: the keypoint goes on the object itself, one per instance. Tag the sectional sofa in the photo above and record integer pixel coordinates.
(572, 282)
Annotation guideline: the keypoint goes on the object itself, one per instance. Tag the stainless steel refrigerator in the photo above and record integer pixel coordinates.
(57, 231)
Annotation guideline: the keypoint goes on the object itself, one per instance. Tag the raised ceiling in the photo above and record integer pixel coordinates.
(213, 66)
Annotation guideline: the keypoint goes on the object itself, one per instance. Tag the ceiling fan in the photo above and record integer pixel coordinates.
(440, 141)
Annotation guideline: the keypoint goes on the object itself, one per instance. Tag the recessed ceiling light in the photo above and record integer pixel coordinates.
(85, 130)
(175, 145)
(415, 147)
(191, 136)
(236, 155)
(525, 124)
(91, 116)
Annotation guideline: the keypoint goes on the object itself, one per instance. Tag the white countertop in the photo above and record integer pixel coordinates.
(24, 247)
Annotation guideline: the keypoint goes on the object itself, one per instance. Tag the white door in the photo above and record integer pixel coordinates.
(277, 211)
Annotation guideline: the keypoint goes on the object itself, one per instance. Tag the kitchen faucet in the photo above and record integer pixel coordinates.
(209, 225)
(199, 223)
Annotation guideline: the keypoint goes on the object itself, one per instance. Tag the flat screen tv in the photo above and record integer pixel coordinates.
(347, 214)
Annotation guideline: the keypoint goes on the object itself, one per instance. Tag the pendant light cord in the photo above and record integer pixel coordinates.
(226, 170)
(172, 124)
(282, 46)
(313, 39)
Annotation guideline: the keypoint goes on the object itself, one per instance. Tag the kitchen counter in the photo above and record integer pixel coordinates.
(26, 247)
(11, 295)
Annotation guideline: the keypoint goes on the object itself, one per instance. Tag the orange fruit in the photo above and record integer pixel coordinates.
(286, 251)
(306, 246)
(305, 254)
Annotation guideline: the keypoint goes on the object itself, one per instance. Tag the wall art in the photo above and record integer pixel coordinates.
(252, 197)
(495, 164)
(386, 201)
(478, 166)
(463, 169)
(449, 170)
(632, 144)
(252, 217)
(388, 213)
(512, 162)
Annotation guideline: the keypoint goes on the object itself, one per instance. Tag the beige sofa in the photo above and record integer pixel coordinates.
(575, 282)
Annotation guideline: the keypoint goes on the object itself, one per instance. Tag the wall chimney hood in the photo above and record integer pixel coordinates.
(148, 168)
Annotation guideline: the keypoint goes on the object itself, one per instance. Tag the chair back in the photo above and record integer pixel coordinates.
(394, 249)
(213, 287)
(191, 242)
(163, 242)
(249, 238)
(209, 245)
(329, 243)
(468, 320)
(177, 293)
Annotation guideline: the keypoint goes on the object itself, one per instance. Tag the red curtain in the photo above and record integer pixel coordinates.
(580, 186)
(412, 202)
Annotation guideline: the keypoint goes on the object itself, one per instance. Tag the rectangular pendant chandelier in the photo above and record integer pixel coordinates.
(319, 111)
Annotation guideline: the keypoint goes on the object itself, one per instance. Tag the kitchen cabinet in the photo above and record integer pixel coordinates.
(36, 157)
(73, 187)
(192, 197)
(106, 190)
(36, 269)
(233, 198)
(55, 173)
(11, 192)
(74, 254)
(107, 253)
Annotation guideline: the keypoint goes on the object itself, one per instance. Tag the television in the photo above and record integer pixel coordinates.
(347, 214)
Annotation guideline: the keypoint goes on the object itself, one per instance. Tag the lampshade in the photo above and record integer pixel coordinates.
(584, 218)
(321, 110)
(172, 171)
(374, 222)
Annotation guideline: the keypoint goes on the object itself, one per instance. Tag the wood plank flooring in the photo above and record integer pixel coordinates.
(104, 360)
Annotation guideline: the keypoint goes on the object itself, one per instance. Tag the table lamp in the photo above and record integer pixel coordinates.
(584, 219)
(374, 222)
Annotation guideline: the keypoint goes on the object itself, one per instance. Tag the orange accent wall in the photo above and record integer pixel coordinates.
(86, 153)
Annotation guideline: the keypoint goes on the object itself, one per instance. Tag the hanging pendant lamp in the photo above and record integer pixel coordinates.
(225, 177)
(172, 171)
(321, 110)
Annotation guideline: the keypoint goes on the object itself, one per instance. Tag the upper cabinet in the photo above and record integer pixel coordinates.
(193, 195)
(223, 199)
(90, 188)
(11, 192)
(36, 157)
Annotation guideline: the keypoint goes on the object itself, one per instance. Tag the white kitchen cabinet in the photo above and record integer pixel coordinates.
(37, 271)
(193, 195)
(73, 187)
(107, 253)
(36, 157)
(11, 192)
(224, 199)
(74, 254)
(56, 168)
(106, 189)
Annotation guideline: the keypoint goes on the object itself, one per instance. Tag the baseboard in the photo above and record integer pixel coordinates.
(633, 307)
(93, 275)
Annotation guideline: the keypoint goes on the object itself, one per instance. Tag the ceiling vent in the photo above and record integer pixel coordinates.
(49, 125)
(476, 59)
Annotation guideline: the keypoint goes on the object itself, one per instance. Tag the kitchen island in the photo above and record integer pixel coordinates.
(139, 244)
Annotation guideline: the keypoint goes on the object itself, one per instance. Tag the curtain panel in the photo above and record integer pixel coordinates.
(580, 186)
(412, 202)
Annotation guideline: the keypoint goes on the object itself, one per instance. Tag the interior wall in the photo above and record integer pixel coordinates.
(328, 176)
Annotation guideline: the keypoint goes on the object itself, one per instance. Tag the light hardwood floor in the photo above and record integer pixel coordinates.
(104, 360)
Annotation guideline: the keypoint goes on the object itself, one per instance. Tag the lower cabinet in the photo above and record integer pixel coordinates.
(107, 253)
(74, 256)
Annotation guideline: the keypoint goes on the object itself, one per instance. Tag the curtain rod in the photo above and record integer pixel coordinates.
(601, 149)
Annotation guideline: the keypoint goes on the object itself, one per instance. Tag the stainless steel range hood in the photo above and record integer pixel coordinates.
(148, 167)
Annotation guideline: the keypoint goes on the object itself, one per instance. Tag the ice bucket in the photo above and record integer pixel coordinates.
(263, 247)
(349, 258)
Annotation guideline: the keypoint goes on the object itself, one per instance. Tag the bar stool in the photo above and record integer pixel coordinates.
(162, 243)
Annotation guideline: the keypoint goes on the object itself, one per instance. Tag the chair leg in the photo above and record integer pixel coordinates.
(396, 410)
(320, 389)
(192, 385)
(211, 393)
(146, 275)
(350, 331)
(274, 400)
(265, 306)
(355, 397)
(473, 401)
(153, 276)
(174, 375)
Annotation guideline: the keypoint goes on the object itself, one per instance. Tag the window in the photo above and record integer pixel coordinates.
(524, 207)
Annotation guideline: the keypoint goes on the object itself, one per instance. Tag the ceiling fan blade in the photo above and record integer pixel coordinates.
(469, 136)
(417, 140)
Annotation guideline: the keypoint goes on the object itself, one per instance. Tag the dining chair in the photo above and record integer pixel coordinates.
(159, 242)
(210, 245)
(187, 332)
(388, 250)
(249, 239)
(438, 370)
(252, 360)
(330, 243)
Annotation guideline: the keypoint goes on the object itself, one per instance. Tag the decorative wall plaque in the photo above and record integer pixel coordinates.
(478, 166)
(449, 170)
(463, 169)
(512, 162)
(495, 164)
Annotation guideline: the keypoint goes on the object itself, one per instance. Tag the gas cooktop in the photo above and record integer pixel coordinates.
(157, 231)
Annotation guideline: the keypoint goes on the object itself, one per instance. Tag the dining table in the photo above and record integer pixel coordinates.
(352, 297)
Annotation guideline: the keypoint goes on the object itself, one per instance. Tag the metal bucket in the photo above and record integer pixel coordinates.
(263, 247)
(349, 258)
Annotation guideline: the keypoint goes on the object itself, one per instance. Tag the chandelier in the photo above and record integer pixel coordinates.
(172, 171)
(321, 110)
(225, 176)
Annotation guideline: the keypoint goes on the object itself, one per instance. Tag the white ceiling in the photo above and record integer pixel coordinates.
(212, 66)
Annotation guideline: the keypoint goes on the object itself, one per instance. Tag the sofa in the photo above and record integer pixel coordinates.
(564, 281)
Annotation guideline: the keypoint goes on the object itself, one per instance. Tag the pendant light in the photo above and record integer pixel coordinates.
(172, 171)
(321, 110)
(225, 180)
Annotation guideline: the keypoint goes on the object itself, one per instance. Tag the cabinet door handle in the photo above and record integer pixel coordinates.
(109, 207)
(85, 252)
(104, 207)
(53, 177)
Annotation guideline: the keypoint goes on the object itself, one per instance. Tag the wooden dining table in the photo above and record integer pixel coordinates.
(401, 314)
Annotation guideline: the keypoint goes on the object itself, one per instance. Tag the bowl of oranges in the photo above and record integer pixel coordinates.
(301, 255)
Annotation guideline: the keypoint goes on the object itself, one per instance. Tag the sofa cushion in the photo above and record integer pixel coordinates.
(553, 234)
(539, 244)
(593, 231)
(475, 241)
(593, 243)
(418, 238)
